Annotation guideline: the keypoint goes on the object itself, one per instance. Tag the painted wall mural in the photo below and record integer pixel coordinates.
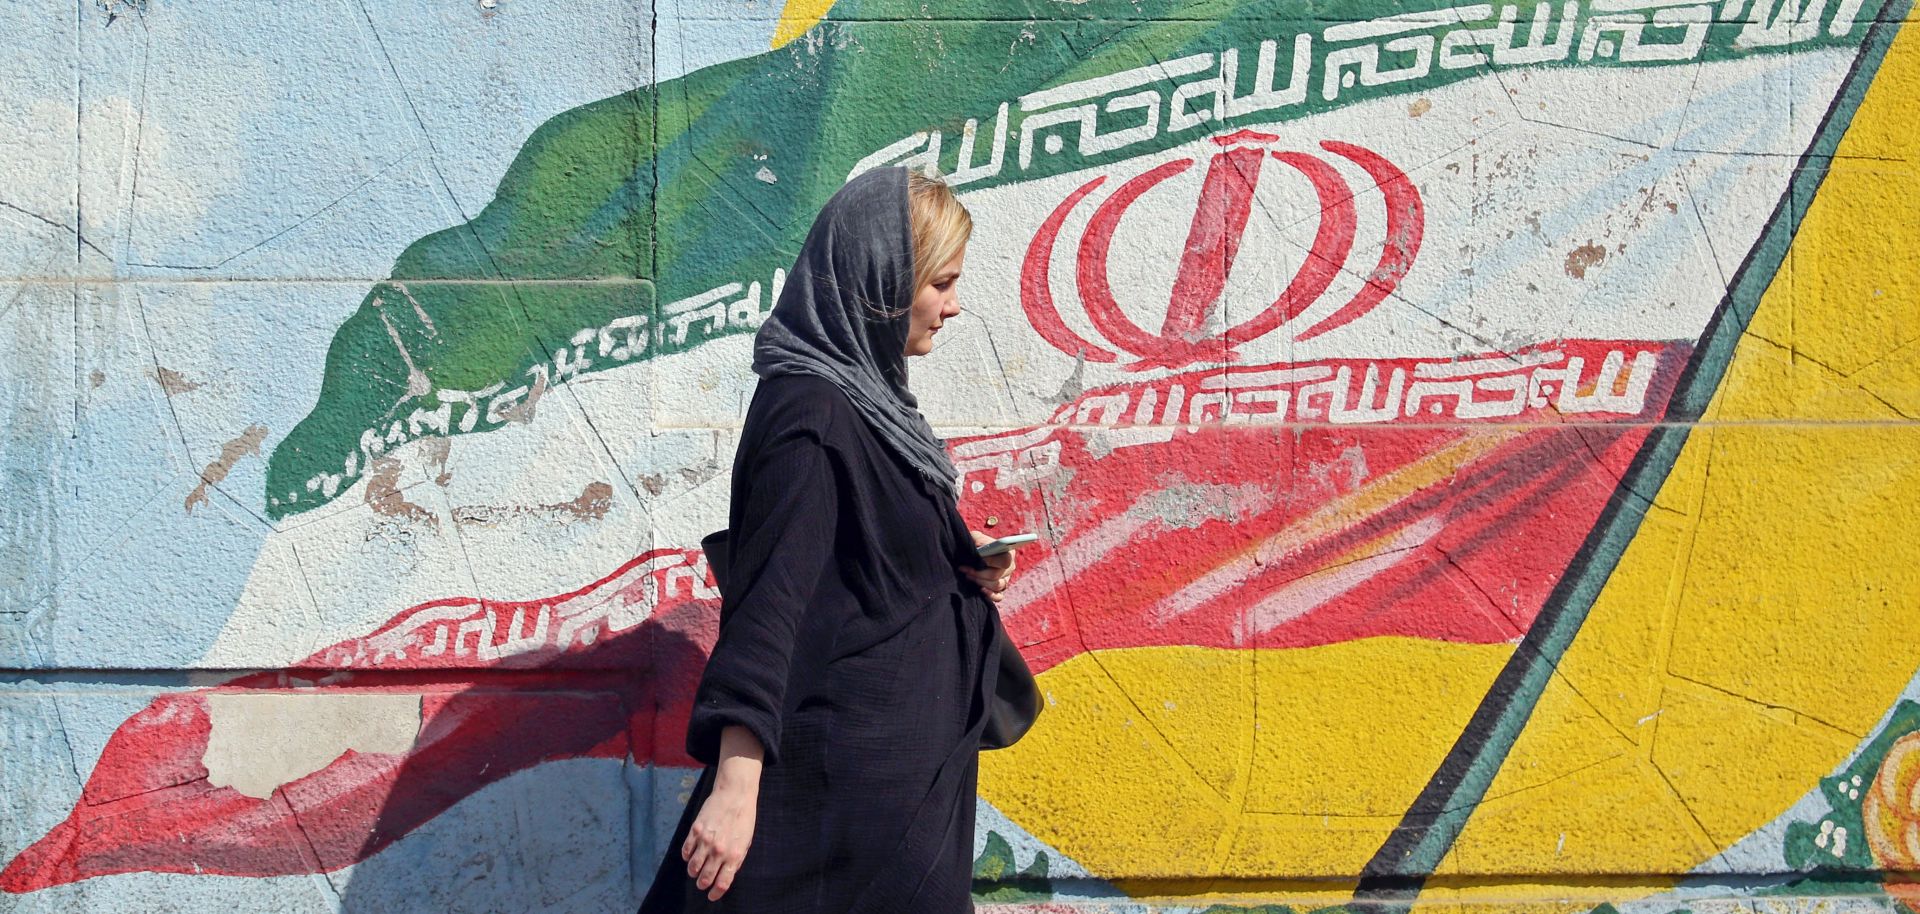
(1474, 446)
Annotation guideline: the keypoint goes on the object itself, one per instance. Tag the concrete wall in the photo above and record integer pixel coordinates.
(1474, 446)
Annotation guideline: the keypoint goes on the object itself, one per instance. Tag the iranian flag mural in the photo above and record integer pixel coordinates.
(1341, 355)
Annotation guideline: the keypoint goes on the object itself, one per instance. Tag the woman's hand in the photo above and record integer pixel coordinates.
(721, 833)
(998, 572)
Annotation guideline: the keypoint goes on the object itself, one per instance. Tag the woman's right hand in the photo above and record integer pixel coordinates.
(721, 833)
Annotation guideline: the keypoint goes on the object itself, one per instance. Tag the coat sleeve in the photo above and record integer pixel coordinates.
(780, 547)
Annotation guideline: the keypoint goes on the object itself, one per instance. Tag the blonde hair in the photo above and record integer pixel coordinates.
(940, 224)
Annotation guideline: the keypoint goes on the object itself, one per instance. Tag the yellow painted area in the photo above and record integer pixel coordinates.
(1611, 818)
(1895, 379)
(1756, 628)
(1214, 685)
(797, 17)
(1843, 310)
(1848, 319)
(1098, 780)
(1303, 895)
(1800, 592)
(1762, 620)
(1783, 385)
(1307, 759)
(1624, 640)
(1751, 761)
(1176, 762)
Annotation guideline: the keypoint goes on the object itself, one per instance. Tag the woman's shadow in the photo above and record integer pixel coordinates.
(551, 789)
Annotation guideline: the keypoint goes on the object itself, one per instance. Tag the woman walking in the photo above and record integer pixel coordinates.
(841, 711)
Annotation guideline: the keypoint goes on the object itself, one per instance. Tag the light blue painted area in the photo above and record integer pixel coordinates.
(1738, 899)
(670, 789)
(320, 139)
(123, 572)
(549, 839)
(175, 894)
(38, 150)
(240, 178)
(692, 34)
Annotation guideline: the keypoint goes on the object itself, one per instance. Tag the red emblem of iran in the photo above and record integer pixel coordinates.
(1212, 243)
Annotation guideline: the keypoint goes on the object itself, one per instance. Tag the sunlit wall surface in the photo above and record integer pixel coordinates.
(1474, 446)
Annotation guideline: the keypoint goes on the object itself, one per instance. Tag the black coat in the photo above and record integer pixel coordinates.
(853, 649)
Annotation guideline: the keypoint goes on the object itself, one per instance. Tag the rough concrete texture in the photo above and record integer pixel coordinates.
(1474, 446)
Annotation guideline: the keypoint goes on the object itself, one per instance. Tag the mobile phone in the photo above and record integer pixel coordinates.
(1006, 544)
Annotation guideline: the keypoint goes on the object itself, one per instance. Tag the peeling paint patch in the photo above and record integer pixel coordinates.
(436, 451)
(426, 320)
(694, 475)
(171, 381)
(522, 412)
(1584, 257)
(248, 443)
(1075, 384)
(1420, 106)
(593, 504)
(1344, 473)
(259, 741)
(386, 498)
(97, 378)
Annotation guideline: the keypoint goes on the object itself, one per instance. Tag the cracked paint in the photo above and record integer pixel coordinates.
(171, 381)
(385, 497)
(1584, 258)
(1472, 446)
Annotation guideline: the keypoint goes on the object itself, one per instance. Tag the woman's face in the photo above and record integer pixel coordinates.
(932, 305)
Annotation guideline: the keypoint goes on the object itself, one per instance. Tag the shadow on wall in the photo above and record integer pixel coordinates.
(579, 834)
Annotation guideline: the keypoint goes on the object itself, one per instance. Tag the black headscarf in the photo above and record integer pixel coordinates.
(844, 314)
